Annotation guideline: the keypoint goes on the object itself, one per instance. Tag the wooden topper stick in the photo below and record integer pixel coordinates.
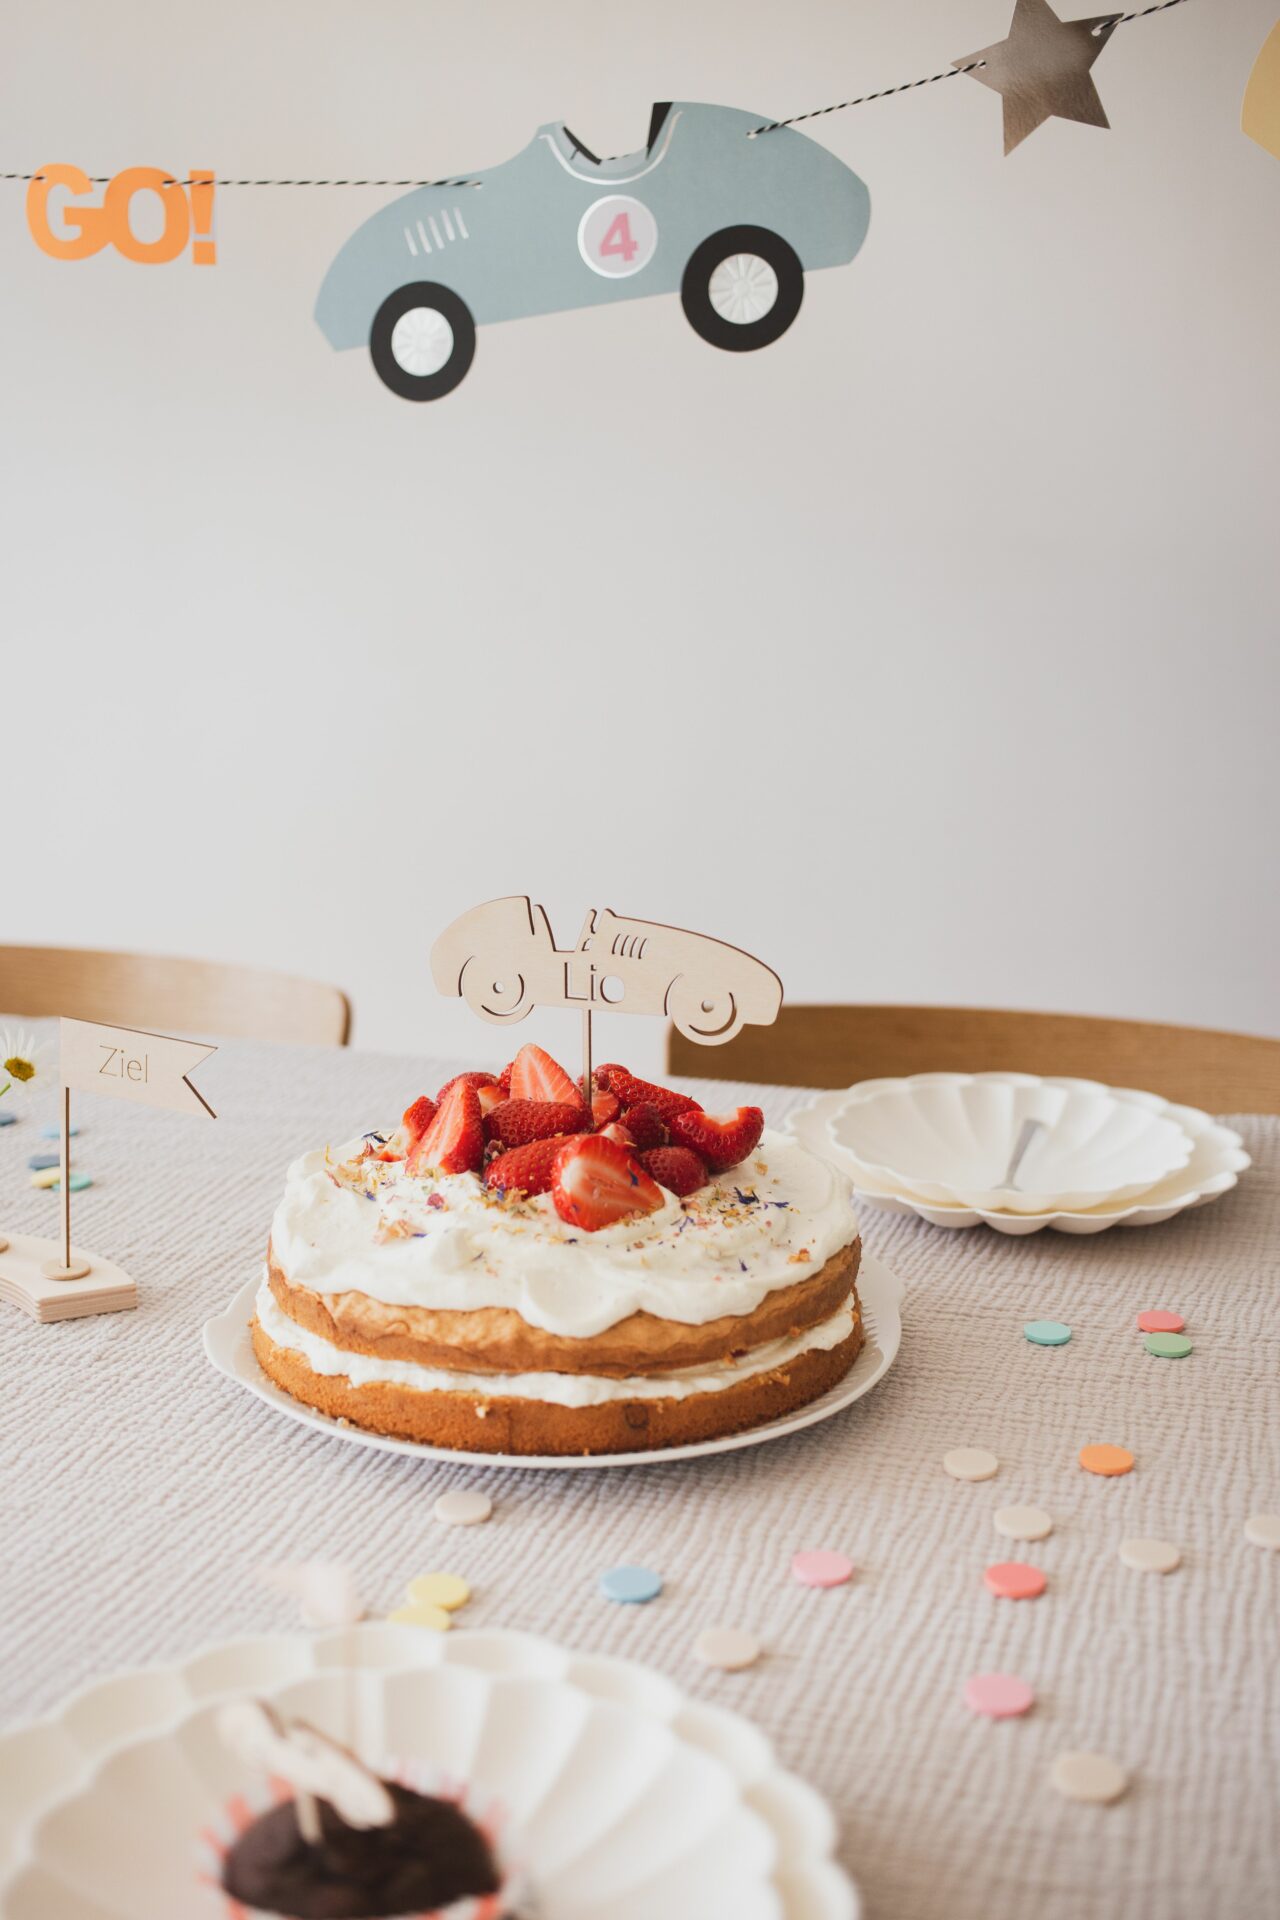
(586, 1058)
(68, 1269)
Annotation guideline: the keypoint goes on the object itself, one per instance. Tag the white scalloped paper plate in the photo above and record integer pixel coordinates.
(623, 1796)
(227, 1344)
(1217, 1160)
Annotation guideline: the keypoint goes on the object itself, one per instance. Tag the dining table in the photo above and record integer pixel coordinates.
(145, 1493)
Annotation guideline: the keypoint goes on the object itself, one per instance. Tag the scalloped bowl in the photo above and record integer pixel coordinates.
(949, 1138)
(618, 1796)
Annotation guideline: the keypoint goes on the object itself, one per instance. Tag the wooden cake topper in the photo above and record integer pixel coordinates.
(129, 1065)
(503, 961)
(316, 1767)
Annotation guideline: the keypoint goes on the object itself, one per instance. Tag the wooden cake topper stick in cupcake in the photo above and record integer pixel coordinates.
(147, 1067)
(503, 960)
(316, 1767)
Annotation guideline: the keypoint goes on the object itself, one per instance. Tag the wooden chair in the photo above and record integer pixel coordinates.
(184, 996)
(836, 1046)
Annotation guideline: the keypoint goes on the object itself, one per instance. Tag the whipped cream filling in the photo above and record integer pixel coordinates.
(367, 1226)
(561, 1389)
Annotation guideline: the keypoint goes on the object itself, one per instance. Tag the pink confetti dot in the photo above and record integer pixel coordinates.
(998, 1695)
(1160, 1320)
(1015, 1580)
(822, 1568)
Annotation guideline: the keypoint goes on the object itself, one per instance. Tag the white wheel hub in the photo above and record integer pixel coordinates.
(421, 341)
(743, 288)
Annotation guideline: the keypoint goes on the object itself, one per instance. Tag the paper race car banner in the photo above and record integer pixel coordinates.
(65, 227)
(150, 1068)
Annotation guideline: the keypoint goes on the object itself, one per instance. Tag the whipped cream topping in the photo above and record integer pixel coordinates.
(561, 1389)
(356, 1224)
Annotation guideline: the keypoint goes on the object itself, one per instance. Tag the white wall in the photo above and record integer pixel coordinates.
(930, 653)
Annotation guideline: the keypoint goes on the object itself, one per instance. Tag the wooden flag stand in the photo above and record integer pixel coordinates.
(54, 1280)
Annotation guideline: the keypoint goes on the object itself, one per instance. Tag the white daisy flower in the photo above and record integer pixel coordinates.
(21, 1056)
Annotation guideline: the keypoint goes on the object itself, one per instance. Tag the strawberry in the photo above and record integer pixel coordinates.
(490, 1097)
(476, 1080)
(605, 1107)
(454, 1142)
(722, 1139)
(504, 1080)
(633, 1092)
(676, 1168)
(645, 1124)
(525, 1169)
(601, 1074)
(536, 1076)
(596, 1182)
(418, 1117)
(516, 1122)
(616, 1131)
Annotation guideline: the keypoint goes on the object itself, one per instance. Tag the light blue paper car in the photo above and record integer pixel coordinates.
(730, 221)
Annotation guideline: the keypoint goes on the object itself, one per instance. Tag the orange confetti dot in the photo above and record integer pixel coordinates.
(1106, 1460)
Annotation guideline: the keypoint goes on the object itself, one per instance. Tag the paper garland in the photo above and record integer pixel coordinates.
(1042, 69)
(1260, 113)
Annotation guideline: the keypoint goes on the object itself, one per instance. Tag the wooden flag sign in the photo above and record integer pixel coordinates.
(62, 1283)
(503, 960)
(132, 1066)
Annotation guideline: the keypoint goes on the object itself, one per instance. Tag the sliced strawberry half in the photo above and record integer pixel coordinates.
(596, 1182)
(616, 1131)
(504, 1079)
(678, 1169)
(454, 1141)
(645, 1124)
(516, 1122)
(602, 1074)
(722, 1139)
(476, 1080)
(536, 1076)
(605, 1107)
(525, 1169)
(633, 1093)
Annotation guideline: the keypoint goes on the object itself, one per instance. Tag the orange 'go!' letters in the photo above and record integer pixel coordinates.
(83, 228)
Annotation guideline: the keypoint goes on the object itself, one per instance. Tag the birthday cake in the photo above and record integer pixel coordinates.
(511, 1271)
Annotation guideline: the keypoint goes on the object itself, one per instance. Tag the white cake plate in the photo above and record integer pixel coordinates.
(623, 1796)
(1217, 1160)
(227, 1343)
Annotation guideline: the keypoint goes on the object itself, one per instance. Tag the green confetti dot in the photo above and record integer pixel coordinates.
(1047, 1333)
(1168, 1346)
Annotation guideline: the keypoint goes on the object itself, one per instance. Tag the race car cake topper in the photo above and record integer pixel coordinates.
(503, 960)
(730, 221)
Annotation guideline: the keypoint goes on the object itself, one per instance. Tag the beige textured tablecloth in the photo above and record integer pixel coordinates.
(141, 1491)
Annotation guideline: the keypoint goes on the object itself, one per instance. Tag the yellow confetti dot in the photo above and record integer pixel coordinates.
(46, 1177)
(422, 1616)
(448, 1590)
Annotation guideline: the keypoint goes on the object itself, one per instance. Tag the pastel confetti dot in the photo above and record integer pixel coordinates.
(999, 1695)
(51, 1178)
(1167, 1346)
(970, 1463)
(1023, 1523)
(1015, 1580)
(1263, 1530)
(1160, 1320)
(1150, 1556)
(631, 1586)
(39, 1161)
(820, 1567)
(53, 1132)
(463, 1508)
(1047, 1333)
(7, 1119)
(1088, 1776)
(447, 1590)
(1106, 1460)
(729, 1648)
(416, 1616)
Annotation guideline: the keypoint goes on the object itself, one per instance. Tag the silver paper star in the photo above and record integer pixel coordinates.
(1042, 69)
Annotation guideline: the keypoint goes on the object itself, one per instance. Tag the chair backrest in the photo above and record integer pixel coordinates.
(189, 996)
(836, 1046)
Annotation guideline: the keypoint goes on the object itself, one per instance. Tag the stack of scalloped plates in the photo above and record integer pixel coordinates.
(614, 1793)
(1021, 1152)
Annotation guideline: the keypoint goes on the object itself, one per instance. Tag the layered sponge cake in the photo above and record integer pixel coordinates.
(511, 1271)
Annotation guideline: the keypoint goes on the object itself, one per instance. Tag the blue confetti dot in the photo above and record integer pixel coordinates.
(6, 1118)
(1047, 1333)
(39, 1161)
(55, 1133)
(632, 1585)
